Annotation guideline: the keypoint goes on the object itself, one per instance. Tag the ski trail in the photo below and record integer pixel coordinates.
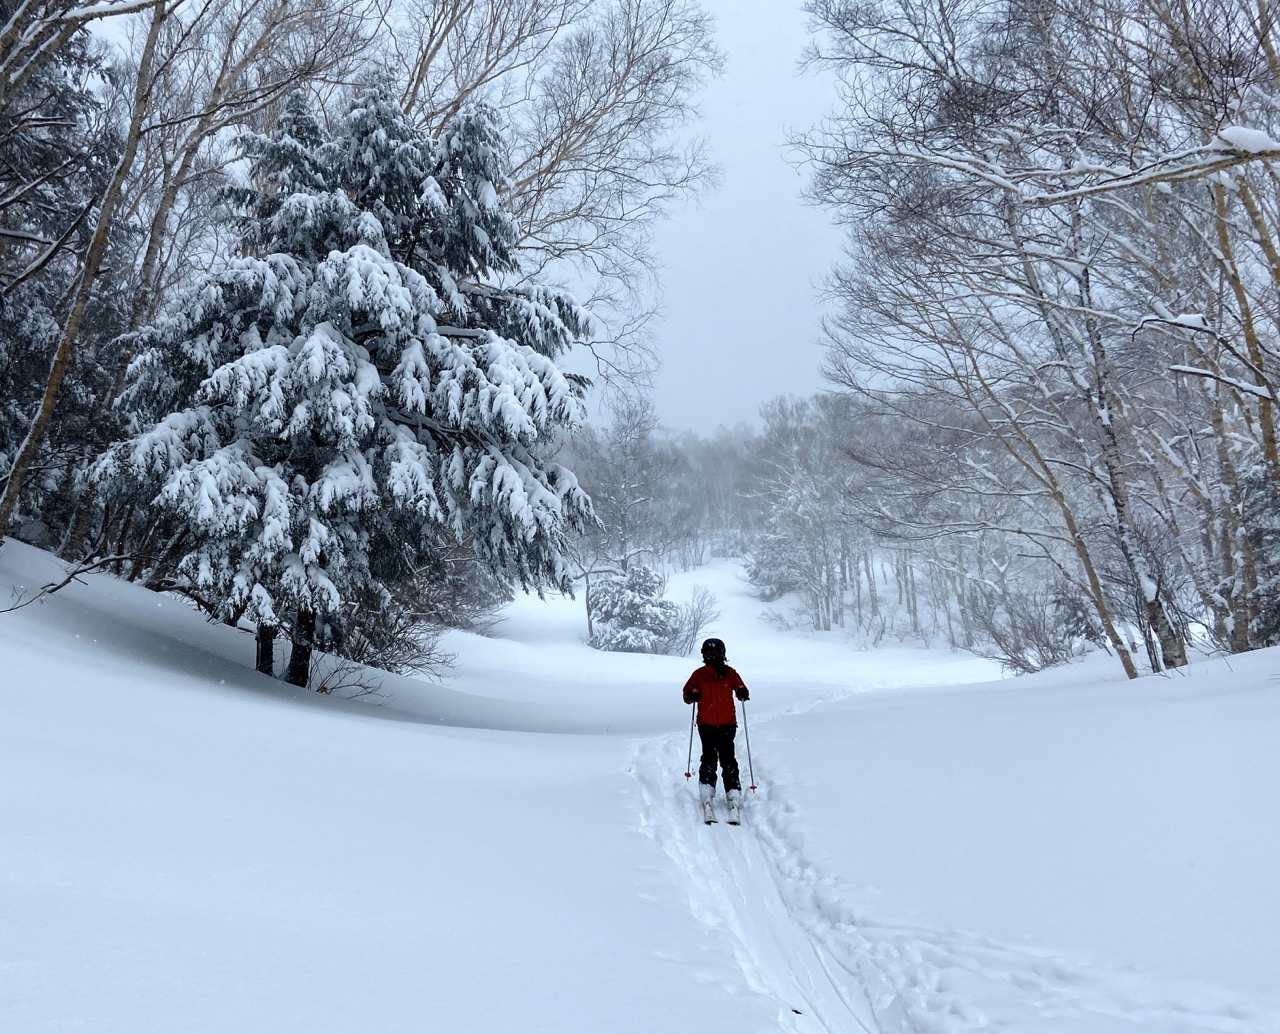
(834, 970)
(732, 891)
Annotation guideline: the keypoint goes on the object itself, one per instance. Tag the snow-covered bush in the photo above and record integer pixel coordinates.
(1028, 631)
(771, 568)
(371, 383)
(695, 615)
(629, 614)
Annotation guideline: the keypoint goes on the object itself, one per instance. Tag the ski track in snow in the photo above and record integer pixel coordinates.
(834, 969)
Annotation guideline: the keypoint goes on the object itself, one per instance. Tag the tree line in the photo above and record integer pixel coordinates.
(284, 319)
(1053, 344)
(1061, 292)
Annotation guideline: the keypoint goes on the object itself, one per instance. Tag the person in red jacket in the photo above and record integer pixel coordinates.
(713, 687)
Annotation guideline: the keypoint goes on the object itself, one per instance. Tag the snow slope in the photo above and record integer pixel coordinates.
(190, 846)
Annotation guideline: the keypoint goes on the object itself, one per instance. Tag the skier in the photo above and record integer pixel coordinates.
(713, 687)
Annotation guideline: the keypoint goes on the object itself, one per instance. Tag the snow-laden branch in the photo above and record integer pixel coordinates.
(1256, 390)
(1232, 146)
(108, 8)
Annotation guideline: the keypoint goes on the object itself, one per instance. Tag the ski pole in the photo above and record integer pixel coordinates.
(688, 765)
(746, 731)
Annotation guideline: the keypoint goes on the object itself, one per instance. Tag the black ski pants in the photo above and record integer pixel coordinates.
(717, 745)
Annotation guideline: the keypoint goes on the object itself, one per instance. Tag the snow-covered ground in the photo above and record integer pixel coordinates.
(189, 846)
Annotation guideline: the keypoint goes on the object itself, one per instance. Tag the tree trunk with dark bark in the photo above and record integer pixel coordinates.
(304, 632)
(265, 641)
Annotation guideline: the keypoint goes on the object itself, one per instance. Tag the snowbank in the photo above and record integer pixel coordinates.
(192, 846)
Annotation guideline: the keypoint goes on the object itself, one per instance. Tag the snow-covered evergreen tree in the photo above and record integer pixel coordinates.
(363, 384)
(630, 615)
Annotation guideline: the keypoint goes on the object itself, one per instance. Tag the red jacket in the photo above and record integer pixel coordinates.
(714, 692)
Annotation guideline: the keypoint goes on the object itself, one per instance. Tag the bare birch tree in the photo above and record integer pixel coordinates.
(967, 158)
(601, 100)
(33, 31)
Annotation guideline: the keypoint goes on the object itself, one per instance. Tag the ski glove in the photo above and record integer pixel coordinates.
(742, 693)
(691, 696)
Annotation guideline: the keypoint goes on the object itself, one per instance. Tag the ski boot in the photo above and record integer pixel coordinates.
(706, 794)
(735, 807)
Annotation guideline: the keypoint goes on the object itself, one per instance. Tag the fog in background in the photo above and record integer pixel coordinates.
(742, 269)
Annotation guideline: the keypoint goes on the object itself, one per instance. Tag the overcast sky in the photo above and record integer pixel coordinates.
(742, 268)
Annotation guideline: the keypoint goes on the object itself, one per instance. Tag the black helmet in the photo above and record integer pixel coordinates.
(713, 647)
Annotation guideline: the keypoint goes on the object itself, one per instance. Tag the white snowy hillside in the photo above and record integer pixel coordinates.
(189, 846)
